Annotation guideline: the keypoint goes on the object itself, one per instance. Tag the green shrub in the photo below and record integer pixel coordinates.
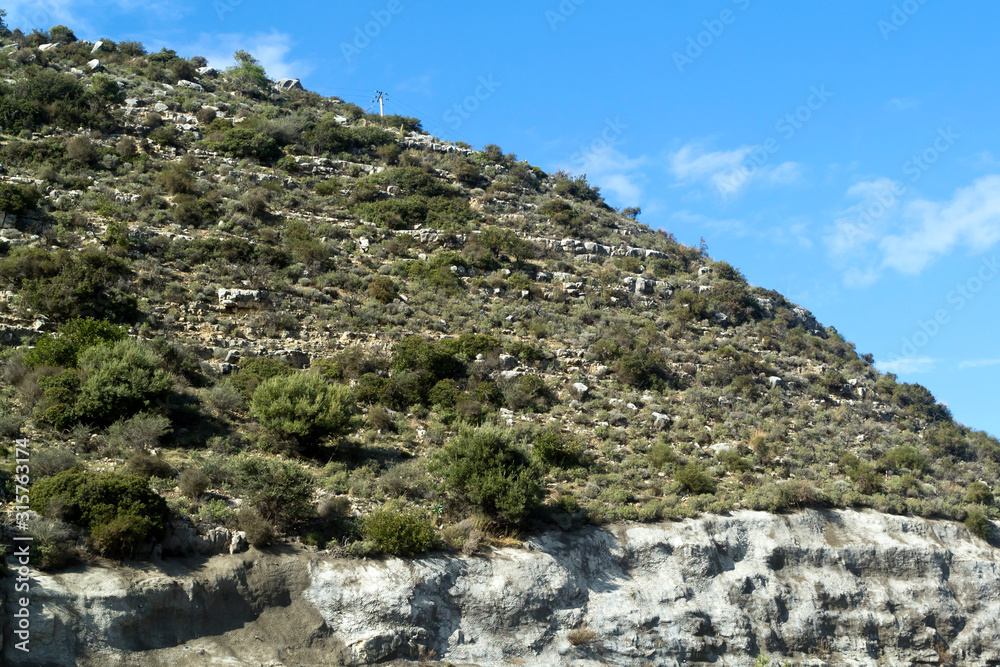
(399, 533)
(120, 511)
(74, 337)
(556, 448)
(978, 524)
(146, 465)
(694, 479)
(485, 468)
(112, 383)
(280, 491)
(303, 405)
(256, 370)
(977, 494)
(242, 142)
(905, 456)
(66, 285)
(16, 198)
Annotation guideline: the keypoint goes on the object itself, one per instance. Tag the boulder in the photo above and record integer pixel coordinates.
(160, 107)
(98, 45)
(95, 65)
(190, 85)
(46, 47)
(288, 84)
(207, 71)
(241, 298)
(580, 390)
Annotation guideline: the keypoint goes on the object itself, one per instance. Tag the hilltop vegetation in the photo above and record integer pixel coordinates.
(247, 305)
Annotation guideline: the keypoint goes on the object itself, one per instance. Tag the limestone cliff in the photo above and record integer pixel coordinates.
(837, 587)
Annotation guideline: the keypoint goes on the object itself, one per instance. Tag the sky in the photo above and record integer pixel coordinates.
(844, 154)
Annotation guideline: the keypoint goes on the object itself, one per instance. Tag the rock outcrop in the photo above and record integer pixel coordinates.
(836, 588)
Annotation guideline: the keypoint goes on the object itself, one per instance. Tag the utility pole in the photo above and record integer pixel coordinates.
(381, 102)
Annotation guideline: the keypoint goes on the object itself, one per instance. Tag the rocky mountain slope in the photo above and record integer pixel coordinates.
(241, 315)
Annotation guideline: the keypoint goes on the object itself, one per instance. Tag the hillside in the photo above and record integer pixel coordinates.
(235, 308)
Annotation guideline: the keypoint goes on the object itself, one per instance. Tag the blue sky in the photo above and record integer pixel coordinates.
(845, 154)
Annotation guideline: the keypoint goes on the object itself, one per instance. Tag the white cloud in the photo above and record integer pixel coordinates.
(30, 14)
(272, 49)
(730, 172)
(867, 220)
(729, 226)
(907, 365)
(978, 363)
(613, 171)
(971, 219)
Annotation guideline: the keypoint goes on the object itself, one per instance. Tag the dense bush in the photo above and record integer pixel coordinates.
(255, 370)
(281, 492)
(398, 533)
(48, 97)
(66, 285)
(694, 479)
(486, 469)
(111, 383)
(73, 337)
(120, 511)
(241, 142)
(16, 198)
(304, 406)
(978, 524)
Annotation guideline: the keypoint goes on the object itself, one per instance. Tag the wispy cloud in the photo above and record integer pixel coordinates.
(885, 229)
(907, 365)
(272, 49)
(43, 14)
(730, 172)
(932, 229)
(613, 171)
(978, 363)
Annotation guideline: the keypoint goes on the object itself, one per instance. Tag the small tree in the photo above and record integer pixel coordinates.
(304, 406)
(74, 337)
(247, 76)
(485, 468)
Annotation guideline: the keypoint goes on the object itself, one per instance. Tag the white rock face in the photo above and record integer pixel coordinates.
(864, 587)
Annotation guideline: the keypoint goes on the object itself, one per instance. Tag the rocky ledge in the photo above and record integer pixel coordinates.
(817, 587)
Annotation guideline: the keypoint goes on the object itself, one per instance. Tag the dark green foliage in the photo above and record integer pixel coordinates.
(241, 142)
(907, 457)
(645, 369)
(694, 479)
(146, 465)
(48, 97)
(383, 289)
(979, 494)
(73, 337)
(556, 448)
(329, 136)
(978, 524)
(193, 483)
(120, 511)
(578, 188)
(280, 491)
(255, 370)
(66, 285)
(485, 468)
(304, 406)
(111, 382)
(734, 300)
(397, 533)
(17, 198)
(258, 531)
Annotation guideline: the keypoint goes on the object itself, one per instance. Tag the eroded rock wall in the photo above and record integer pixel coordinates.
(836, 587)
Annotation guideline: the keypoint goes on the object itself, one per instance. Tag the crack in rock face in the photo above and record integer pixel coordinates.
(833, 587)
